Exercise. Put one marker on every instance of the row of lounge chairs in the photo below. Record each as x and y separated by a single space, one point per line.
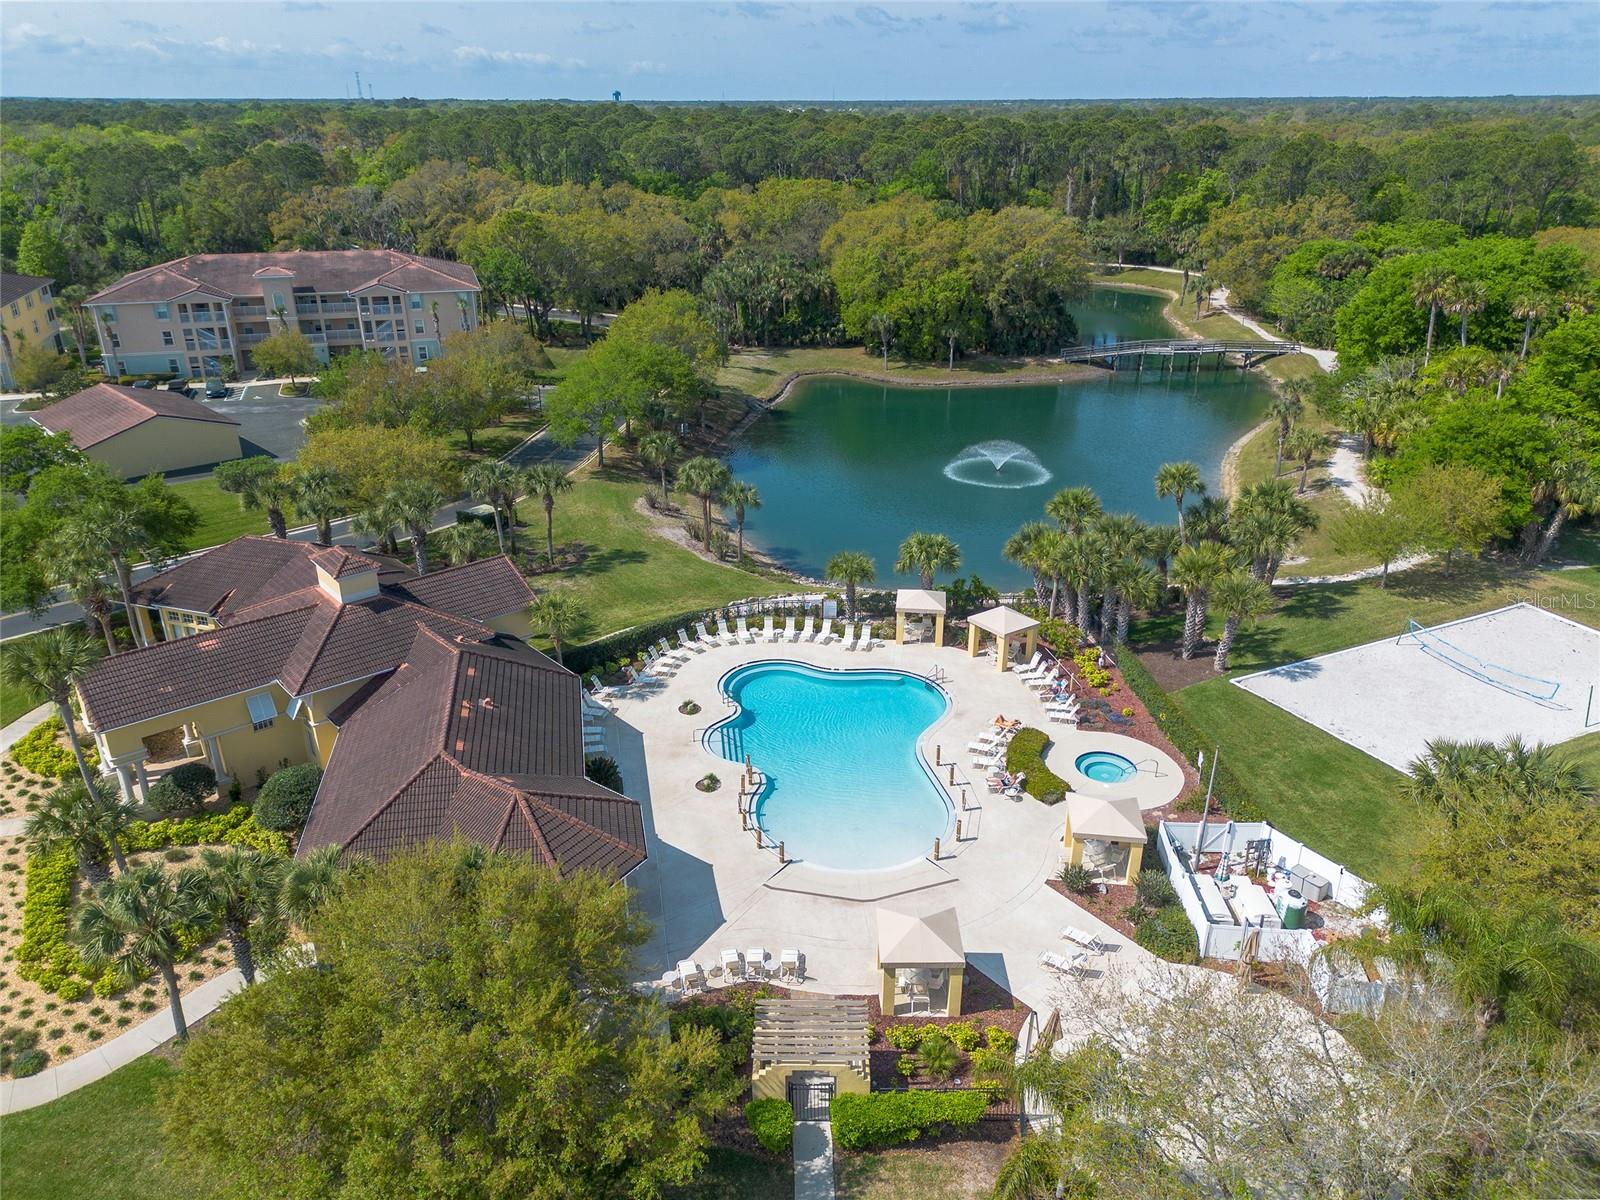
754 965
822 635
1046 676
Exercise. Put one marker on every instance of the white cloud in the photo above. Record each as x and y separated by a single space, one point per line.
29 37
646 67
483 56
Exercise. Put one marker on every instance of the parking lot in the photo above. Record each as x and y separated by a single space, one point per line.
267 421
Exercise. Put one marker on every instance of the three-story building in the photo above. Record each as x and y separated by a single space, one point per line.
27 317
184 317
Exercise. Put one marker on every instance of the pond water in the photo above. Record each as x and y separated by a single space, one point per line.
844 464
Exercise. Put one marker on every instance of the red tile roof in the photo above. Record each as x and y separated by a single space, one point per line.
239 276
101 412
476 739
340 563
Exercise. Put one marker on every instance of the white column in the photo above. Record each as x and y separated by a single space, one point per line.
125 782
144 781
214 756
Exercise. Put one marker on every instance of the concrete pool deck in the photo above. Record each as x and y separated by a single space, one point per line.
706 886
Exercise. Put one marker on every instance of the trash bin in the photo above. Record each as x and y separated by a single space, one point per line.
1293 910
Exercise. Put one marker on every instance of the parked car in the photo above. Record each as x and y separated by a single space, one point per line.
216 390
183 387
143 384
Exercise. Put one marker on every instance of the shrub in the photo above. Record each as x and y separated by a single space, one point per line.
1154 889
583 659
1001 1040
168 799
194 779
39 751
862 1122
1025 753
603 769
285 799
963 1035
772 1121
235 827
1077 878
990 1064
709 782
904 1037
1167 934
939 1055
29 1062
44 954
72 989
906 1065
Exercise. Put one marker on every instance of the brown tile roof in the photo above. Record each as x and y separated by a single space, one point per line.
243 572
335 271
340 562
105 410
481 740
15 287
483 590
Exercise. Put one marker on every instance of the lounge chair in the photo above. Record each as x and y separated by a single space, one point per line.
688 646
1089 941
694 979
602 695
756 964
827 635
790 633
789 968
732 965
770 630
725 634
1015 790
849 635
1066 964
743 632
809 632
676 653
704 635
864 642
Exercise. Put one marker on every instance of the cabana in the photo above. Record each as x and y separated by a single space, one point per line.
1004 623
1105 835
922 962
917 603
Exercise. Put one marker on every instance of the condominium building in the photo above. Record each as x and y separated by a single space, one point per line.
27 317
183 317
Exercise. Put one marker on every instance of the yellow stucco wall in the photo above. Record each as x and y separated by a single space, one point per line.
772 1083
166 444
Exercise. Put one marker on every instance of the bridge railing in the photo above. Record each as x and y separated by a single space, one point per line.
1177 345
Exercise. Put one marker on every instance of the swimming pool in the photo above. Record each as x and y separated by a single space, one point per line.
845 786
1102 766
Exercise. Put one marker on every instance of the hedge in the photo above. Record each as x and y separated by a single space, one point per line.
235 827
617 646
1025 753
862 1122
1231 791
39 752
772 1121
1167 933
284 801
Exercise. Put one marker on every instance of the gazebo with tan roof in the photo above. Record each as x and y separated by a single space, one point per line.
922 961
918 603
1004 624
1105 835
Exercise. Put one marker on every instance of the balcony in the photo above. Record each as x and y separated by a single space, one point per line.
336 306
343 337
249 310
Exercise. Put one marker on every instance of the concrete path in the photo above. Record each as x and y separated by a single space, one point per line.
47 1085
813 1160
1328 360
24 725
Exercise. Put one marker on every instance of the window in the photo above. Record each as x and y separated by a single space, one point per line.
162 312
29 299
45 291
166 337
422 354
36 329
416 301
172 365
262 710
417 326
277 301
50 314
109 312
16 310
194 364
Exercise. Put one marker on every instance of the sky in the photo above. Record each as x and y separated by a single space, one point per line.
755 50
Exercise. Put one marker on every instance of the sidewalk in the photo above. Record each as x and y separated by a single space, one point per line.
47 1085
813 1160
24 725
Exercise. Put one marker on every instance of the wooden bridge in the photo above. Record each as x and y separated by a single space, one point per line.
1177 353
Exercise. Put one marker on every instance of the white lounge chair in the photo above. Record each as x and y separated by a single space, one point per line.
688 646
1072 964
724 634
864 642
790 633
756 964
675 653
770 629
827 635
602 695
732 965
704 635
809 632
1080 937
789 969
849 635
743 631
694 979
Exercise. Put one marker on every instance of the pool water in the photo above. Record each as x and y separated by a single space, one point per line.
1102 766
845 786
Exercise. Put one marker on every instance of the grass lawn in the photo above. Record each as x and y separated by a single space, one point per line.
734 1175
762 373
103 1141
631 574
1585 751
15 701
221 518
948 1171
498 439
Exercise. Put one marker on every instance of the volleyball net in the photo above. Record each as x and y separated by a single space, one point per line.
1507 679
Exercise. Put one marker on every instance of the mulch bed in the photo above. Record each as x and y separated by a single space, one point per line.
1108 906
983 1003
1165 663
531 560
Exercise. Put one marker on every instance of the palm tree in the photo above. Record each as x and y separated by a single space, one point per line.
378 522
240 887
1466 296
497 482
1121 537
319 495
1179 479
555 615
1430 289
116 533
259 484
926 554
882 327
1161 542
1138 586
464 542
1576 492
1530 308
1288 402
741 496
1195 570
1241 598
1266 520
1073 508
415 504
50 664
1080 559
1026 548
137 923
547 480
78 566
659 449
309 881
705 478
851 569
89 820
1306 446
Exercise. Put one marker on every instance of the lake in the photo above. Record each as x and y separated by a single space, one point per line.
845 464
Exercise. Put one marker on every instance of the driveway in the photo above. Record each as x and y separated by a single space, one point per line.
269 422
